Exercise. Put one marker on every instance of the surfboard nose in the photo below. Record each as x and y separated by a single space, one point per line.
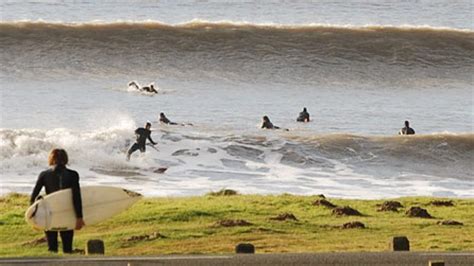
132 194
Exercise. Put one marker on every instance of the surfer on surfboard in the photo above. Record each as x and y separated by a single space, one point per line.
267 124
150 88
164 120
57 178
140 144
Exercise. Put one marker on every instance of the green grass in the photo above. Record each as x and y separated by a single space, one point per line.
188 225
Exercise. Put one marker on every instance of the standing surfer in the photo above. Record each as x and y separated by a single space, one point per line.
54 179
142 134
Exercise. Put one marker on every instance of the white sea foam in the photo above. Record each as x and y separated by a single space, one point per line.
199 163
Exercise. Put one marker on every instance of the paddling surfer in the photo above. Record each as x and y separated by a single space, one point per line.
142 135
57 178
267 124
150 88
165 120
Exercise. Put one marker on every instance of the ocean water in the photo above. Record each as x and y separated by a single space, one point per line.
360 67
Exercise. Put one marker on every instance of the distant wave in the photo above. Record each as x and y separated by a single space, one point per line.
199 23
241 51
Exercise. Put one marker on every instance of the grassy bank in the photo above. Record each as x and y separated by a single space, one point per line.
191 226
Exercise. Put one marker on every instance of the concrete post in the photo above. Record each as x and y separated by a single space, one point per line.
400 243
95 247
244 248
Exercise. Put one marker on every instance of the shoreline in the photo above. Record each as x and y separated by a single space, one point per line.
210 193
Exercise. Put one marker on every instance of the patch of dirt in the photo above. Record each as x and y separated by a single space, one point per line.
346 210
267 230
79 251
323 202
418 212
449 222
35 242
446 203
389 206
284 217
223 192
355 224
230 223
152 236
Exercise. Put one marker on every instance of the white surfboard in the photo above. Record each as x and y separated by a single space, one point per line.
55 212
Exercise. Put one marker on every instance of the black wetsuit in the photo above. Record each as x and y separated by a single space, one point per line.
149 89
303 117
269 125
142 134
407 131
165 120
53 180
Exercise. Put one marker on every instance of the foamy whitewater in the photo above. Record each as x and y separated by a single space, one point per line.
361 70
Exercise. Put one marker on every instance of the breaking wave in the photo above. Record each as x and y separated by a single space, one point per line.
336 164
454 153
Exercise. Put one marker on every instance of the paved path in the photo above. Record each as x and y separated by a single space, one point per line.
355 258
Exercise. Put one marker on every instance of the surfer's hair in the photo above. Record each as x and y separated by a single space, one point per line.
57 157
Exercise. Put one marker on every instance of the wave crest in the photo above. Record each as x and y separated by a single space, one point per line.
236 50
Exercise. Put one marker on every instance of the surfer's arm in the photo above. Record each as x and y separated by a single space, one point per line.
152 142
39 185
76 196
